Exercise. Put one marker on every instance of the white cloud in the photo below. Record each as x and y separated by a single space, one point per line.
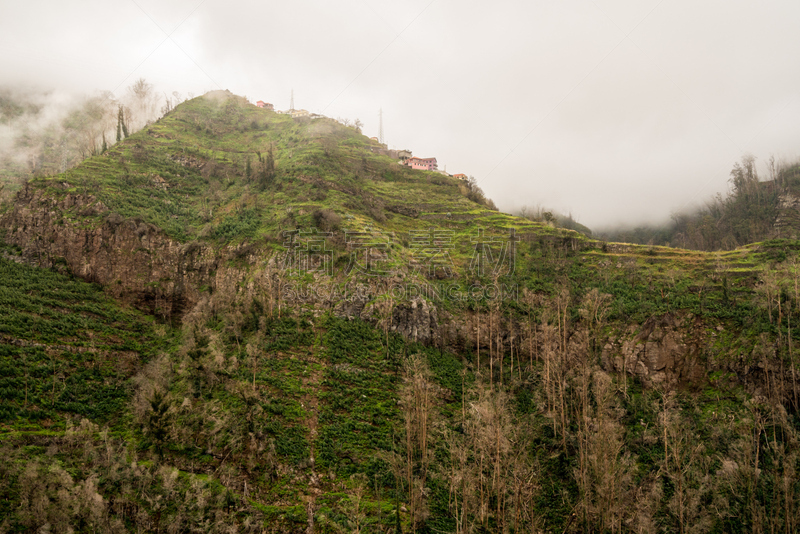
615 110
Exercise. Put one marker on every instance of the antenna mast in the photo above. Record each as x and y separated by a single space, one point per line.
380 126
291 102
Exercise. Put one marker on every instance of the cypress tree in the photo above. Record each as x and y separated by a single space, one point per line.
266 169
119 125
157 424
270 165
122 122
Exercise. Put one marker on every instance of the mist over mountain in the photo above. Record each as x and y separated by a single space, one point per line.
47 131
617 112
754 209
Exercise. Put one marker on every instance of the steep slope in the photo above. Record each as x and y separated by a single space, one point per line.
156 216
67 348
561 384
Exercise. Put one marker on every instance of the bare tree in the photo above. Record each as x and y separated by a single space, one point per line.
491 475
684 466
143 103
417 398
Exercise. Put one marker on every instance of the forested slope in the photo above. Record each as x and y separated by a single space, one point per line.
753 210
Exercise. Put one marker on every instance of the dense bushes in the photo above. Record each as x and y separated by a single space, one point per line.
326 220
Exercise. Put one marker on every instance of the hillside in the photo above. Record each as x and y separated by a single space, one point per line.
199 184
753 210
308 337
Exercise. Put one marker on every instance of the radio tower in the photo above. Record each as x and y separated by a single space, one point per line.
380 126
291 102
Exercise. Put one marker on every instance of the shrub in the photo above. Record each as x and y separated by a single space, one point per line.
326 220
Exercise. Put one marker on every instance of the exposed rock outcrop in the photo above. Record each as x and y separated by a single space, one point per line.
678 351
416 320
665 350
134 260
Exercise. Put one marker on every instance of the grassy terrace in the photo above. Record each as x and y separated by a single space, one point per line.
195 174
199 174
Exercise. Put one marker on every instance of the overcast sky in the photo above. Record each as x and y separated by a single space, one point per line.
616 111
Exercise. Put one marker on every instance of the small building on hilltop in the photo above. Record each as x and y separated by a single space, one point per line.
425 164
460 176
265 105
298 113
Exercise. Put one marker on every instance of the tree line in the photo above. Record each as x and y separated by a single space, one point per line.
47 133
746 214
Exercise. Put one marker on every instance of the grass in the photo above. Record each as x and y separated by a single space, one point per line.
187 174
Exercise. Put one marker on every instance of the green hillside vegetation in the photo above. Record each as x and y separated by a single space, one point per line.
255 413
252 419
67 350
221 169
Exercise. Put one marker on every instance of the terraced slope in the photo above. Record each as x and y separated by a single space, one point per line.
67 350
432 365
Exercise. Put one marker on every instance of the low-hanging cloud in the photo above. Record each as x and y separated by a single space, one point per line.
614 111
46 131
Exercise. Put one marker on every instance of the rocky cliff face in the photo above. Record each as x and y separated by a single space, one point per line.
680 351
135 261
139 264
666 350
415 320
